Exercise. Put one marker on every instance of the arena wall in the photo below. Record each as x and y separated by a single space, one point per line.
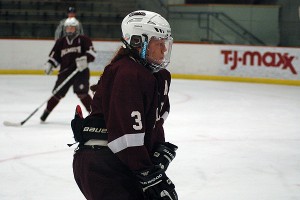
261 64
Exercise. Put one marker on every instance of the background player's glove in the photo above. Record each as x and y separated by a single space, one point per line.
48 68
163 154
81 63
94 87
156 185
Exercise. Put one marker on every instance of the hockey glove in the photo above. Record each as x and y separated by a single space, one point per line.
91 127
81 63
76 124
156 185
93 87
163 154
48 67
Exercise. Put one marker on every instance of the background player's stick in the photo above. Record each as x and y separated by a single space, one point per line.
7 123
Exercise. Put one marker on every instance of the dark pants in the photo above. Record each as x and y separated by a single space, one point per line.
100 175
80 83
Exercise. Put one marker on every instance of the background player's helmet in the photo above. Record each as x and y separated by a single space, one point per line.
140 27
74 23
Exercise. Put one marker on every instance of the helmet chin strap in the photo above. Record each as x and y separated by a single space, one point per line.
138 57
144 47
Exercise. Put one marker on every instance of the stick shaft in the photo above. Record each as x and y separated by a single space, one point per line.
53 93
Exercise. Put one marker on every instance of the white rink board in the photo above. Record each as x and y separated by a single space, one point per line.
196 59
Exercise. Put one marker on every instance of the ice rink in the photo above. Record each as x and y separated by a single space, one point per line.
237 141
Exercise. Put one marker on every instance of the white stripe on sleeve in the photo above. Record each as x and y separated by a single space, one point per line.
54 61
91 52
128 140
165 115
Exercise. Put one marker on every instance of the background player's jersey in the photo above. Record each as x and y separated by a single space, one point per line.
132 100
65 52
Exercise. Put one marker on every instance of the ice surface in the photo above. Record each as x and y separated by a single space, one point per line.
237 141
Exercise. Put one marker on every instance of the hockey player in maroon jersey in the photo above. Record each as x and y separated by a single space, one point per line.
70 52
122 152
60 32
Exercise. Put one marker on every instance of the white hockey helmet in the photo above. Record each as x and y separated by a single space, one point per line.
72 21
140 27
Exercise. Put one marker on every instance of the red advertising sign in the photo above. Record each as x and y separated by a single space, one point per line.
280 60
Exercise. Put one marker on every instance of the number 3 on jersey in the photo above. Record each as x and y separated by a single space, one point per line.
138 120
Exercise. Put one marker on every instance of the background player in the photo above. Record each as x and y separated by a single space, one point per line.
60 31
71 52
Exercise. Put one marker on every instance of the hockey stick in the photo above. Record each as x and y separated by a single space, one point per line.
7 123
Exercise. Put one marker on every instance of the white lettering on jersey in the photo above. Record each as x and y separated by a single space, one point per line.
138 120
70 50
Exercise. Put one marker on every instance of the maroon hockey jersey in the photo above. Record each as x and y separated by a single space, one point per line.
65 52
135 104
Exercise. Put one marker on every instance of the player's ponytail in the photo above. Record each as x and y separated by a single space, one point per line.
120 53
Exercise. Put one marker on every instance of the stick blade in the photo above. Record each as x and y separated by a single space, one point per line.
7 123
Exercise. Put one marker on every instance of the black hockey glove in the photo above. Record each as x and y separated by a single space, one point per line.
163 154
156 185
91 127
76 125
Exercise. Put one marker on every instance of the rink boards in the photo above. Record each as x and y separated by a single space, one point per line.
262 64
